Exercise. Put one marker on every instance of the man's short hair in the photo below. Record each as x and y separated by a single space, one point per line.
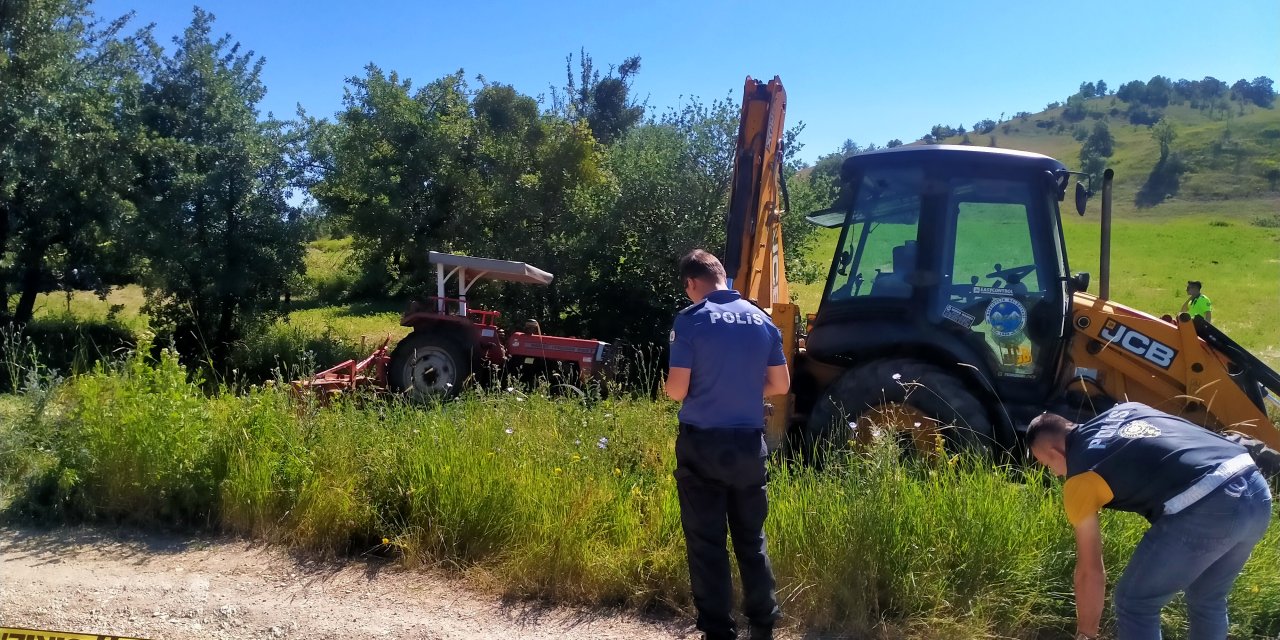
1194 283
1047 424
701 265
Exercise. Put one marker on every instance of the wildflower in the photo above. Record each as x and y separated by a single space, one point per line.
490 453
577 442
510 431
897 377
576 457
386 541
558 470
602 443
617 471
635 491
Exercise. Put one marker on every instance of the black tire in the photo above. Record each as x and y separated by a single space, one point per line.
429 365
962 419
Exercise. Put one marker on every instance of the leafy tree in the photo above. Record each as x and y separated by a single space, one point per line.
893 143
67 85
1075 109
1140 114
1164 135
1158 91
398 171
1087 90
604 102
1096 149
1100 88
1132 91
984 126
214 227
1262 92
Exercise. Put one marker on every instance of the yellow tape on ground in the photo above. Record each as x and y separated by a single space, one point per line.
7 633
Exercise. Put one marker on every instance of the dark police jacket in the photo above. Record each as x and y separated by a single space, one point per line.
1135 458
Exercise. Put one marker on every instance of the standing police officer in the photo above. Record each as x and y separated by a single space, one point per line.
1206 500
726 357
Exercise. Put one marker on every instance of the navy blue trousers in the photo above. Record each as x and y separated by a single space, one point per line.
721 476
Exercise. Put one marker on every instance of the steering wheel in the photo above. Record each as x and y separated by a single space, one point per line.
1012 275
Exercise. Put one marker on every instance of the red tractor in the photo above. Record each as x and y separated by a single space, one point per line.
451 341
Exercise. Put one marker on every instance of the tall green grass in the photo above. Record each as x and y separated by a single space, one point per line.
561 500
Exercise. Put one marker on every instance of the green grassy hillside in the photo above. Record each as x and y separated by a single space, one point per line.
1226 157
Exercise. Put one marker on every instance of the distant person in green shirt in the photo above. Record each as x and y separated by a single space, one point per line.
1197 303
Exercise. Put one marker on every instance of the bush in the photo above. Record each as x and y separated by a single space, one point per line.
283 351
1267 222
64 344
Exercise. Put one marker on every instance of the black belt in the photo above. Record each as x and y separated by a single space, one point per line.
688 428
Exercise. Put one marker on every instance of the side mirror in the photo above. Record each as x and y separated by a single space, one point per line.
1080 282
1082 196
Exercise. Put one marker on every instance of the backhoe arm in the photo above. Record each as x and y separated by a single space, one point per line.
753 256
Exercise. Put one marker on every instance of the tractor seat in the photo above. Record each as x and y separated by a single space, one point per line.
894 284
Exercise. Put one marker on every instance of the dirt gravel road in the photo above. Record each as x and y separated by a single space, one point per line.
163 587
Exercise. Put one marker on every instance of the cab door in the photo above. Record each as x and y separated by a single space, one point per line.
1000 290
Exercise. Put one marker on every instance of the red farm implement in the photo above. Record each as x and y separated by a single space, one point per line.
453 342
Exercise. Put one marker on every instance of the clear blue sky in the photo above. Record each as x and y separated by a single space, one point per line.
865 70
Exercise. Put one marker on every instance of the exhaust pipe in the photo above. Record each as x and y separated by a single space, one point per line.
1104 269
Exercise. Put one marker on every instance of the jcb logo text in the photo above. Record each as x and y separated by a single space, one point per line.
1149 349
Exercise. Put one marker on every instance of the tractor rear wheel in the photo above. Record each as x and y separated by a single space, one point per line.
429 365
918 404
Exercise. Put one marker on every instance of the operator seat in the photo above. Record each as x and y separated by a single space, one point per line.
894 284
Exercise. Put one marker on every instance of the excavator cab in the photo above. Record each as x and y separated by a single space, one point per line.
946 255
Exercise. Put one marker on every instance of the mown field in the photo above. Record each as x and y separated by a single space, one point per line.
561 500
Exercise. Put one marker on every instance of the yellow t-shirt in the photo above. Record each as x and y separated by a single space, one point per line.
1084 495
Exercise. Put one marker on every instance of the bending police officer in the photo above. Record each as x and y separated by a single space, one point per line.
1207 502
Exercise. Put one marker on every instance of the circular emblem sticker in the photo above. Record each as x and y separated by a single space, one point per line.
672 337
1139 429
1006 316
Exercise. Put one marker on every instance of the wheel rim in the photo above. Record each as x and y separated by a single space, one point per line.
902 422
431 371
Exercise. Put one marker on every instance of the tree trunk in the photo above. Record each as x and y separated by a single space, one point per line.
7 212
29 287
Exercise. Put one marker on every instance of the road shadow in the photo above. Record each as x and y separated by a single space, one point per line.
535 613
57 543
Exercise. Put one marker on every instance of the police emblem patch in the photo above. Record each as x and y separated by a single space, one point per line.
1139 429
672 337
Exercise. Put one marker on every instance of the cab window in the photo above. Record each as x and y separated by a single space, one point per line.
878 245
